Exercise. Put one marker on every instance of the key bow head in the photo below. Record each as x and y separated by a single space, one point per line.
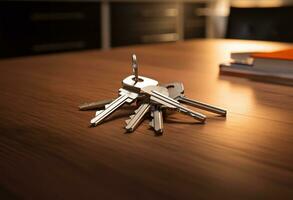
176 89
132 85
159 89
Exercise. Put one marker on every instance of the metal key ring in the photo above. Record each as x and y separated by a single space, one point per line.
135 68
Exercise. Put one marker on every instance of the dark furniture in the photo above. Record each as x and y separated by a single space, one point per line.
139 23
272 24
36 27
48 151
195 20
40 27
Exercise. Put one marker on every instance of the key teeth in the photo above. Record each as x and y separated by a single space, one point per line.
136 111
99 112
152 114
127 121
152 123
131 116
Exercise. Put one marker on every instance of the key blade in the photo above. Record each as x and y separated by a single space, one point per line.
95 105
129 93
109 110
162 99
152 123
203 106
158 121
178 106
137 117
157 100
161 90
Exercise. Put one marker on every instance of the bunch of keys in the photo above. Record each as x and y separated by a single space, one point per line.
151 100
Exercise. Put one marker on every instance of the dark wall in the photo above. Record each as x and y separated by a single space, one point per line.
272 24
42 27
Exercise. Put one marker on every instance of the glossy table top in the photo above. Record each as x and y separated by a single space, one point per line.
48 151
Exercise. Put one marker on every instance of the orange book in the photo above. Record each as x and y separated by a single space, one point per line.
276 67
286 54
278 62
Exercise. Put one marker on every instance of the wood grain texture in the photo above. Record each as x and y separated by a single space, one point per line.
47 150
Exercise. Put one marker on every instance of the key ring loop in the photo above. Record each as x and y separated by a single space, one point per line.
135 68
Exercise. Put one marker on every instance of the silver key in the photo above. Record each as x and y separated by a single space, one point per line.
138 117
157 119
171 103
97 105
125 97
156 112
139 114
176 91
140 98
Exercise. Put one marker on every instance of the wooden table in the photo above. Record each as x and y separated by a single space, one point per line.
48 151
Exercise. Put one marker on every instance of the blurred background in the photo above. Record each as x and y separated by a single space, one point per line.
46 26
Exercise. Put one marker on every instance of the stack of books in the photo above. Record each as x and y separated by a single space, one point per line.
275 67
